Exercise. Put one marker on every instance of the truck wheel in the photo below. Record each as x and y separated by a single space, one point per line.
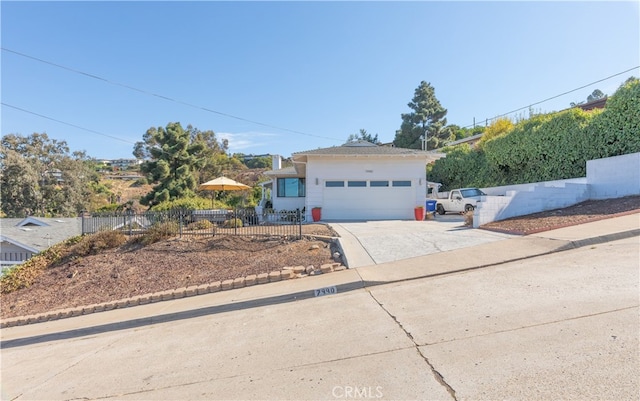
468 208
440 209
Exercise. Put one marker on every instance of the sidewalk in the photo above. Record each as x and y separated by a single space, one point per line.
447 262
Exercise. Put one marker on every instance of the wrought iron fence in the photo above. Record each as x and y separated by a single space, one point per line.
199 222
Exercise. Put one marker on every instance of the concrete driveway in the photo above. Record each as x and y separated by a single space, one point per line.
367 243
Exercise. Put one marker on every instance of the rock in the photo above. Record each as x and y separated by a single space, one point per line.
326 268
274 276
263 278
314 246
310 269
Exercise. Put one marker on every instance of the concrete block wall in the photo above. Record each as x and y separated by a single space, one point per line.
607 178
614 177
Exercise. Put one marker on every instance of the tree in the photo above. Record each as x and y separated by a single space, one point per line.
498 127
174 157
595 95
426 121
363 136
18 185
40 177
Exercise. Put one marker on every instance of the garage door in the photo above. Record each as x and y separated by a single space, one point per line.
368 200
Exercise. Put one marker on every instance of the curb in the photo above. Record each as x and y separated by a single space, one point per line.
287 273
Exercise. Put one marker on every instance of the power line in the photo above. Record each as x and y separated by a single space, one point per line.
105 80
562 94
66 123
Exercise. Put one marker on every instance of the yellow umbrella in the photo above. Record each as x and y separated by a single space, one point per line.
222 184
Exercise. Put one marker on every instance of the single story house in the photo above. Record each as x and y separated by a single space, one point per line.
356 181
21 238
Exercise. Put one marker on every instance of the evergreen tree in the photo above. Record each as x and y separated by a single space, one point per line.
175 156
427 120
363 135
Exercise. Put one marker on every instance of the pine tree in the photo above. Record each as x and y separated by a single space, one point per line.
427 120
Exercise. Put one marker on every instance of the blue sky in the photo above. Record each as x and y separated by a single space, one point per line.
310 73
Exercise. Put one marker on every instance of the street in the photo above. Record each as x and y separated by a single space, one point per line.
559 326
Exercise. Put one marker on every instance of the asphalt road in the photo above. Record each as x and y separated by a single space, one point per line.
559 326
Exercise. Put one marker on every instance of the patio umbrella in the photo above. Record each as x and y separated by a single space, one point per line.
222 184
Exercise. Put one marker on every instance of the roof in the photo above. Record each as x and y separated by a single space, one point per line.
465 140
39 233
594 104
287 171
361 148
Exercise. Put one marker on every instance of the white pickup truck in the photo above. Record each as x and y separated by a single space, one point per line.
458 200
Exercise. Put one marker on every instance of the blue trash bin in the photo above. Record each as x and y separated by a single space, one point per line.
431 206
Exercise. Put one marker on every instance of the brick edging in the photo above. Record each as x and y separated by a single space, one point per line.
286 273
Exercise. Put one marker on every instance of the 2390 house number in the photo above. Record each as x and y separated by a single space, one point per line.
325 291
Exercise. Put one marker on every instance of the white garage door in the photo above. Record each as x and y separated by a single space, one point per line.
368 200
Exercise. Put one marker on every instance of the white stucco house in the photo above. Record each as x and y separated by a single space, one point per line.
355 181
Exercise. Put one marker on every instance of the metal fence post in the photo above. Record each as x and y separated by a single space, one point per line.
299 217
235 221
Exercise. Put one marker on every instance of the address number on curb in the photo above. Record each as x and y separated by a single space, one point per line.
325 291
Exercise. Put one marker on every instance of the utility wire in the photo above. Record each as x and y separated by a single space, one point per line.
252 121
162 96
562 94
66 123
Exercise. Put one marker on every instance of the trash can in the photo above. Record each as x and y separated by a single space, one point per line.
431 206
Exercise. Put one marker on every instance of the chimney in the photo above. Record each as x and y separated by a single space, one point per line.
276 162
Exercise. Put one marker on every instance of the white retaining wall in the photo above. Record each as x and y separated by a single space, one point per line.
612 177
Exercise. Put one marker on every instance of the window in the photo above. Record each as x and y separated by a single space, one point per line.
468 193
401 183
379 183
334 184
356 183
291 187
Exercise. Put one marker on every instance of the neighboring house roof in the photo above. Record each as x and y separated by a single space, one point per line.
473 139
594 104
39 233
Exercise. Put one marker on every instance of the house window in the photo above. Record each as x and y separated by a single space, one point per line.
356 183
379 183
401 183
334 184
291 187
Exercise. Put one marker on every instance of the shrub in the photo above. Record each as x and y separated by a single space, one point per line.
159 231
200 225
233 223
97 242
192 203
